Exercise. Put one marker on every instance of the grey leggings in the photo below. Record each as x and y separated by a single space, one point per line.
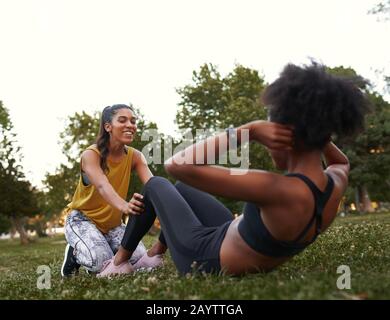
193 224
92 247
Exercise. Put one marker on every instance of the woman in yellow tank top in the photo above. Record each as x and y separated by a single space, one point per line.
94 228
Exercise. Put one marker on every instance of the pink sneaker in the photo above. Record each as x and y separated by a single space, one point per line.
109 269
149 263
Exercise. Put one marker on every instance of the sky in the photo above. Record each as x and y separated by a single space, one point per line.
58 57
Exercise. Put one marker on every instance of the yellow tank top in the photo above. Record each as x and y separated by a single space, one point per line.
88 200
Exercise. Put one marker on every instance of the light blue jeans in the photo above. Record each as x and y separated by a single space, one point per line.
91 246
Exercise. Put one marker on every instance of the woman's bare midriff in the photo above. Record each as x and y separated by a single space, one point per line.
237 257
234 249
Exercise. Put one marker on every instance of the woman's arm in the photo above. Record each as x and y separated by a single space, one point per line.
140 165
270 134
247 185
337 162
90 162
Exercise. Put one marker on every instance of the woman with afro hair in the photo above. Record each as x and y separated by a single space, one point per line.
284 213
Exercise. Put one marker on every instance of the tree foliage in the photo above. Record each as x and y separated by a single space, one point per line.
382 9
212 101
369 153
216 102
17 196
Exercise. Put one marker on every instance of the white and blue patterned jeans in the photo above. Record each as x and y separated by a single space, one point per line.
91 246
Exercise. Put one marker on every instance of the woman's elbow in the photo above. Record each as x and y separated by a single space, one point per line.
170 167
348 166
100 188
174 169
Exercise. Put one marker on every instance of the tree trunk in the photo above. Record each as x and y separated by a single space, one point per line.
357 200
365 200
41 230
40 227
19 226
12 231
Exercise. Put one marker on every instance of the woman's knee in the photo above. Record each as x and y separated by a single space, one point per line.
92 257
182 187
156 182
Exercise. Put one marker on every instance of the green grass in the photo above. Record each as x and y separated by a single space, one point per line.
361 242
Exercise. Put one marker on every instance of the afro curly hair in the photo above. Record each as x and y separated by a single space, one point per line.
317 104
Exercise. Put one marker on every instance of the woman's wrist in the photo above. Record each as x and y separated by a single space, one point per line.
120 205
248 127
333 155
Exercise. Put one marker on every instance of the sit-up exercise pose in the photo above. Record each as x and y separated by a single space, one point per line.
284 213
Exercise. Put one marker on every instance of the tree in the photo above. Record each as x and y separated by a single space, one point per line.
215 102
369 153
5 224
80 132
382 11
17 197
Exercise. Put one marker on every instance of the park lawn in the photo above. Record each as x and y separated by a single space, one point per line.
360 242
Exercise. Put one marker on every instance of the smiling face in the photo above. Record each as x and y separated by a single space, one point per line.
123 126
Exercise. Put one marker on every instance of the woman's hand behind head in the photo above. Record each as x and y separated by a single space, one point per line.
273 135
